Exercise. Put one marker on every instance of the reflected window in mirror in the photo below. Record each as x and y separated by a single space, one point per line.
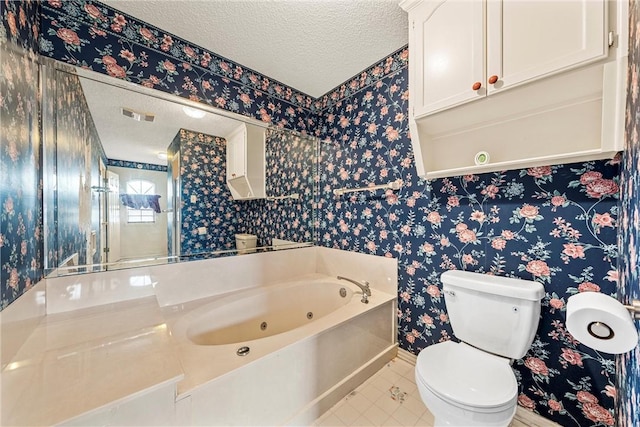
140 187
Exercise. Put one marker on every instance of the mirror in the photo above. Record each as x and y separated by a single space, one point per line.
133 176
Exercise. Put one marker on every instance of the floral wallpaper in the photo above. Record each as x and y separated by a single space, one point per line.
555 224
628 365
290 167
369 77
203 175
136 165
21 237
78 153
92 35
20 24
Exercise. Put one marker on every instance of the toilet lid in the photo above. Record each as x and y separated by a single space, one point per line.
467 376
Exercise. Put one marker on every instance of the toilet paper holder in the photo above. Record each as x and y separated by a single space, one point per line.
603 323
634 308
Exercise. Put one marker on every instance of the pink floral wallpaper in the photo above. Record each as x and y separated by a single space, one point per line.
91 35
557 225
628 365
21 233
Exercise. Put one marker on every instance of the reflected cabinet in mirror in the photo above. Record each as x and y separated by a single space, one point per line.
135 177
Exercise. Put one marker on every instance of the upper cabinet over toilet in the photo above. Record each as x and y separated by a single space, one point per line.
473 48
245 162
518 79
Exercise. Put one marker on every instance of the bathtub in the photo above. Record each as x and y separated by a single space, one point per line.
279 355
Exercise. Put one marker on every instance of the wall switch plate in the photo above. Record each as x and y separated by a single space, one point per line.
193 198
202 230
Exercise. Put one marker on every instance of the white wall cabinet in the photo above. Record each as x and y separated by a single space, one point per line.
513 78
245 162
236 153
467 50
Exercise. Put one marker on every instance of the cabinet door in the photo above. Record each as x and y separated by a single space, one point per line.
236 154
447 45
530 39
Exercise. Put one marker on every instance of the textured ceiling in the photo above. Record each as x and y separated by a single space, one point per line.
310 45
126 139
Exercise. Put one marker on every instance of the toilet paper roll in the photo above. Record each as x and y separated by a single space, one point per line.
601 322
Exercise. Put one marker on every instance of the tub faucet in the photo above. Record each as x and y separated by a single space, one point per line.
364 285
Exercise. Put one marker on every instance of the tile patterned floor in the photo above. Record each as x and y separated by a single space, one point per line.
391 398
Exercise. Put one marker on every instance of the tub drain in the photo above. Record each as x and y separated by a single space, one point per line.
310 315
263 326
243 351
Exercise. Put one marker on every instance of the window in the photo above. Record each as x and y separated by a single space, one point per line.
140 186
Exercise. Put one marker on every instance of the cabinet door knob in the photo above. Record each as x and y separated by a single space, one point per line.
476 86
493 79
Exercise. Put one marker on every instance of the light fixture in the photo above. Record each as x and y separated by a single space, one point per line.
193 112
162 155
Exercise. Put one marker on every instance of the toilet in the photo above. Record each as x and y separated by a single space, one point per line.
246 243
471 383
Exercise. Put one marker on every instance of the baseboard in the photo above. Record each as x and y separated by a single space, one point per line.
407 356
532 419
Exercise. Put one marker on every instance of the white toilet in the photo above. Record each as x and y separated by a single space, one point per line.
246 243
471 383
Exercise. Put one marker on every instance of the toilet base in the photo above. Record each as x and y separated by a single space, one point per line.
442 423
446 415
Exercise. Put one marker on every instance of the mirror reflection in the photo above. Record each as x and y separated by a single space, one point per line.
134 177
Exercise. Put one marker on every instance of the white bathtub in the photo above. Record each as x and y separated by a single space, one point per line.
266 313
295 367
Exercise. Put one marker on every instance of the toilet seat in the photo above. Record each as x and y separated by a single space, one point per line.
467 377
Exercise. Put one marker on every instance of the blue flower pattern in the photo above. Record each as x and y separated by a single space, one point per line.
136 165
628 365
94 36
290 160
21 221
556 224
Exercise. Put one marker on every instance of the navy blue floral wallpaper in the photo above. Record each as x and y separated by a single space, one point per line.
21 234
78 153
136 165
290 166
203 175
553 224
20 24
289 169
556 225
92 35
628 365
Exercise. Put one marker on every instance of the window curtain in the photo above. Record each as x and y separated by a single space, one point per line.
141 201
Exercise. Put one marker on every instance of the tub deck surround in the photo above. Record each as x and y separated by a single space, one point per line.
196 358
81 291
75 363
19 321
183 282
196 280
109 343
380 272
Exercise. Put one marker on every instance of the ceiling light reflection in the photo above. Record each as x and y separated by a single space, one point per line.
193 112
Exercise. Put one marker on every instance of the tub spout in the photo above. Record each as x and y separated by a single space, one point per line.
364 285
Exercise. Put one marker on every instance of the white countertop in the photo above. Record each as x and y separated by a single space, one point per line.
80 361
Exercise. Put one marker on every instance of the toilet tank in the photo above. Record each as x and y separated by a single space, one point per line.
499 315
